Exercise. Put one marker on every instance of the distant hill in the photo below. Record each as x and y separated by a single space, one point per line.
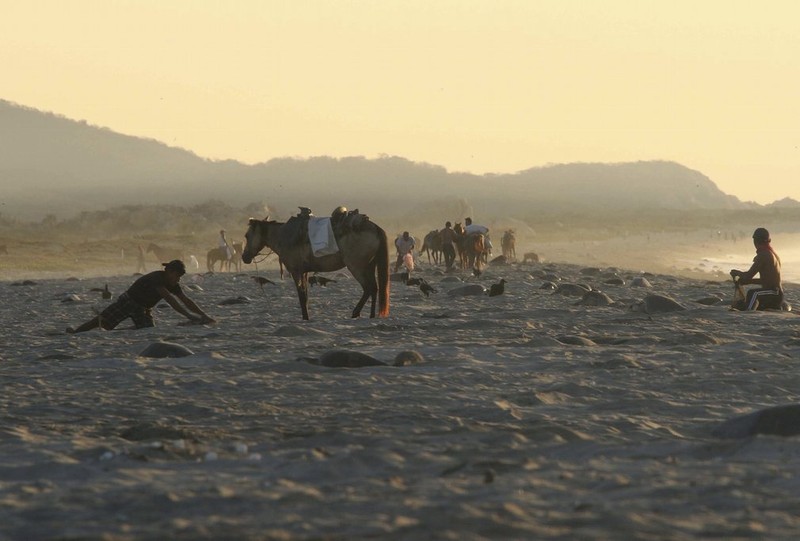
785 203
53 165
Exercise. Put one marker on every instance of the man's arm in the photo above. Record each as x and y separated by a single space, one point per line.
748 277
170 298
191 305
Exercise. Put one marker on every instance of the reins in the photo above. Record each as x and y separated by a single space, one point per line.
257 260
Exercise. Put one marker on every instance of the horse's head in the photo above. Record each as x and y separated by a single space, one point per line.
253 243
458 228
259 234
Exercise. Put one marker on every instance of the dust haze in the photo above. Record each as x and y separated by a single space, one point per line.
80 199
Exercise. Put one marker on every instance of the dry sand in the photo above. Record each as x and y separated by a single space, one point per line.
529 417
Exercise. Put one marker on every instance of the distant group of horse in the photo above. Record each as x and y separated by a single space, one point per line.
227 260
472 250
363 250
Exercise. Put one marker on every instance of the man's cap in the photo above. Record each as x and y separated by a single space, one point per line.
175 265
447 224
761 235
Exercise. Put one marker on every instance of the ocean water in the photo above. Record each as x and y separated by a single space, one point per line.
790 263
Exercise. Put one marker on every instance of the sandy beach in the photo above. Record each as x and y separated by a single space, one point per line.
525 416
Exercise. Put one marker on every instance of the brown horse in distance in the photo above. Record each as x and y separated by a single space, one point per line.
220 255
432 245
164 255
364 251
471 248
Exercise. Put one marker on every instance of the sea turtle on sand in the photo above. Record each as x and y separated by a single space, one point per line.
595 298
656 304
777 421
408 357
548 285
342 358
348 359
159 350
640 281
572 290
469 290
711 300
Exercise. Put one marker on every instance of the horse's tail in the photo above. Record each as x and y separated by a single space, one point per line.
208 259
383 274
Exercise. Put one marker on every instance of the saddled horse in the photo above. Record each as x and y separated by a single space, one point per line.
363 250
432 244
471 248
509 245
220 255
164 255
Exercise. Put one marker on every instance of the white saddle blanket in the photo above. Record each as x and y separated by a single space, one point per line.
320 234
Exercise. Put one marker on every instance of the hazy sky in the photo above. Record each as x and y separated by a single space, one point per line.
472 85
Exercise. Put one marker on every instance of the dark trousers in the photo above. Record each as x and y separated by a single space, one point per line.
762 299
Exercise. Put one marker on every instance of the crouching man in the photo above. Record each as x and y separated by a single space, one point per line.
138 301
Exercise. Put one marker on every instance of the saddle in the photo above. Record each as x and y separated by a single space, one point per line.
346 221
343 221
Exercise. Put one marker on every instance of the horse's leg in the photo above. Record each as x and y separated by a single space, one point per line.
365 277
301 283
